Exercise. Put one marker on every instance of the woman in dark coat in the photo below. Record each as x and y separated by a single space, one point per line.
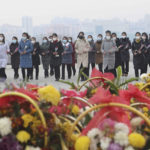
145 43
99 54
44 51
117 54
66 57
15 56
25 50
73 56
91 53
35 57
124 47
138 55
56 50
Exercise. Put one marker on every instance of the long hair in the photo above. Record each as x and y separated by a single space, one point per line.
1 34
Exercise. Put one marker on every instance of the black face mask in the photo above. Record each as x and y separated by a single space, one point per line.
81 37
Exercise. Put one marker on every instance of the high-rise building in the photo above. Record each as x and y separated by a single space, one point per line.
27 24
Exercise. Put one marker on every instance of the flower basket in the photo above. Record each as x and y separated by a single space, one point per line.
96 107
34 104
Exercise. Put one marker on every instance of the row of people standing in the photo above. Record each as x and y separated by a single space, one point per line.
26 55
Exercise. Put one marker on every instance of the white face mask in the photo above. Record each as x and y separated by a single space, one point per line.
99 38
123 36
137 37
32 42
54 39
89 39
1 38
143 37
108 37
114 38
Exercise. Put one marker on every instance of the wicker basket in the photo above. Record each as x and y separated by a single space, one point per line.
108 105
30 100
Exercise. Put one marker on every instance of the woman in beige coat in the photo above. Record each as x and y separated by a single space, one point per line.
82 47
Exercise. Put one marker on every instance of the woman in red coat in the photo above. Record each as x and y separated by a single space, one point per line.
73 56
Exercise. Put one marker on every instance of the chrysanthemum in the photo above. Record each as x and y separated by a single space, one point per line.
129 148
82 143
23 136
49 94
105 142
136 121
5 126
32 148
121 138
121 127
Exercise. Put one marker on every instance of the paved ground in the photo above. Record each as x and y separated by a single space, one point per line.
48 81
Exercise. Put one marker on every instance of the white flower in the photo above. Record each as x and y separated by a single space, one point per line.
129 148
105 142
121 127
5 126
32 148
144 76
136 121
121 138
95 134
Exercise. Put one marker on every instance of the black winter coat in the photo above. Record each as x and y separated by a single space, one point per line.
35 54
117 54
138 58
15 55
145 50
56 47
124 50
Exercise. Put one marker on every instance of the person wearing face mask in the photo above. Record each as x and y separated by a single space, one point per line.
91 54
4 50
73 56
98 54
117 54
45 53
15 56
138 57
25 50
51 64
145 52
82 47
56 50
66 57
125 46
109 48
35 57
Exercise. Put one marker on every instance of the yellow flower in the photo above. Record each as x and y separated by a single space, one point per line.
137 140
49 94
27 118
74 137
145 109
23 136
132 101
82 143
75 110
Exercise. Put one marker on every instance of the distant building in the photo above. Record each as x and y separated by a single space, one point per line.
27 24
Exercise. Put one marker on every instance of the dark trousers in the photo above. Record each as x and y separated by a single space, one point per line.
85 71
29 72
36 71
74 70
51 69
57 72
16 74
2 73
92 65
46 73
125 67
100 66
137 72
68 70
113 71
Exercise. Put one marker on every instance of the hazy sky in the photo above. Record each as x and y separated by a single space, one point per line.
43 11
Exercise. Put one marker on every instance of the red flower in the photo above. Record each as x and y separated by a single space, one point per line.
134 92
73 93
97 73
